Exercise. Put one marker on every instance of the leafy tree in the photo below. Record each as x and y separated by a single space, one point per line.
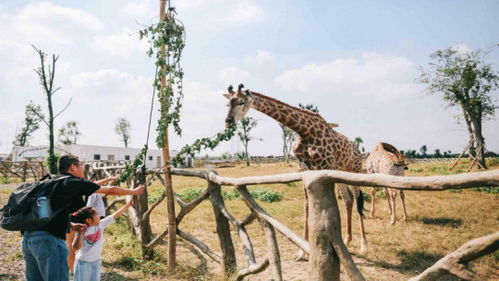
423 150
69 133
310 107
437 153
31 124
46 74
358 141
466 81
122 128
243 131
288 137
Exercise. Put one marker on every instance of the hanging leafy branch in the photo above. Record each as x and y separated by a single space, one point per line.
171 34
203 143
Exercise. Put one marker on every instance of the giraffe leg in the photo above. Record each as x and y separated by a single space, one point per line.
388 199
373 196
348 200
402 198
363 240
301 255
393 197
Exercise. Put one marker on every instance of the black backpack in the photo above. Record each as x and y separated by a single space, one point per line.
21 211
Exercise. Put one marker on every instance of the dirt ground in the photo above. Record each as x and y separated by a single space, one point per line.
438 223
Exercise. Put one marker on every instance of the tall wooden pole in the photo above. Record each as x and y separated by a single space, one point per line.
172 227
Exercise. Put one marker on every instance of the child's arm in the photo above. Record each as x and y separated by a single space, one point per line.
122 209
78 240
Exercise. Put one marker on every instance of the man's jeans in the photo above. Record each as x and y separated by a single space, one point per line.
87 270
45 256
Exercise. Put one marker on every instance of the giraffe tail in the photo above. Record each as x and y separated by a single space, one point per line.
360 203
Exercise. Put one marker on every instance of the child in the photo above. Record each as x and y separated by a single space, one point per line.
90 241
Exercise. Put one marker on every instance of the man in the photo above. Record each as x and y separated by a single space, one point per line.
45 251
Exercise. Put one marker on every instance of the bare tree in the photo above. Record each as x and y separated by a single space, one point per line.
31 124
69 133
46 74
122 128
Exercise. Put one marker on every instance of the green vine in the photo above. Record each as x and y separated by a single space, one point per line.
169 33
130 168
203 143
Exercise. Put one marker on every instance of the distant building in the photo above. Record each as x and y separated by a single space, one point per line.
4 157
89 153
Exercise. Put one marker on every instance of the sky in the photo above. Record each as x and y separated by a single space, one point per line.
358 61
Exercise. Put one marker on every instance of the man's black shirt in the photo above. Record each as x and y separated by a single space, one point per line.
68 194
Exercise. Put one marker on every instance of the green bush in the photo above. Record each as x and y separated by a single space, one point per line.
266 194
153 196
4 180
187 195
263 194
291 184
416 170
487 189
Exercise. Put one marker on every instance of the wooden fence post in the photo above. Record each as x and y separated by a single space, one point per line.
223 230
326 243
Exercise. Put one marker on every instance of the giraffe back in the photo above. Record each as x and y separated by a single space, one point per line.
386 159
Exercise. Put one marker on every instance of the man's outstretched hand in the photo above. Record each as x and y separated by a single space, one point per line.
139 190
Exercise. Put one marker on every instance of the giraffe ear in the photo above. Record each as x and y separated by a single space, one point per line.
230 89
247 93
227 96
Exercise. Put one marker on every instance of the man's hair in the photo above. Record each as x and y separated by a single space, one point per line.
82 214
66 161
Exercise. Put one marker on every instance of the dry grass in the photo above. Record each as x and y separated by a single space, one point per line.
439 222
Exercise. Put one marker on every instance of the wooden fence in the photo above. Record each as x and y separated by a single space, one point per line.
23 170
325 246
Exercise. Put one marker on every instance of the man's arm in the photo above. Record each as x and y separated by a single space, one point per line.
115 190
105 181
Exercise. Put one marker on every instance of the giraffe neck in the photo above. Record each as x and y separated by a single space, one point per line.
299 120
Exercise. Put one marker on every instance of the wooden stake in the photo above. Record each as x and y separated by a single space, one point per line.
172 227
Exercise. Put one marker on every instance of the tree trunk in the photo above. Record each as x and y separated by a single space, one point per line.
141 224
52 161
469 127
247 155
480 144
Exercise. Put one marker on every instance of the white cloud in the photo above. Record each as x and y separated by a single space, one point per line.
461 49
124 43
261 56
233 75
46 23
245 11
383 77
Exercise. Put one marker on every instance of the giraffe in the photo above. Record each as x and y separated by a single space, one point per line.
318 147
386 159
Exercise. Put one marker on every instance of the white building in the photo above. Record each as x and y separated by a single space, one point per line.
89 153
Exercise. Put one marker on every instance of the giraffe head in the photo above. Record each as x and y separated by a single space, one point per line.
239 104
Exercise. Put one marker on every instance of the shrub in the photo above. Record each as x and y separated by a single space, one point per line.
4 180
266 194
416 170
487 189
263 194
187 195
291 184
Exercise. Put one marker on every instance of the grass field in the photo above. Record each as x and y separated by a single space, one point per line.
438 223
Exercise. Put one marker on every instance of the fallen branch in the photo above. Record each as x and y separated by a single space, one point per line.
252 269
203 247
456 262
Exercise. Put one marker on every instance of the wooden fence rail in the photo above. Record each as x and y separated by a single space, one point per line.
23 169
325 246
